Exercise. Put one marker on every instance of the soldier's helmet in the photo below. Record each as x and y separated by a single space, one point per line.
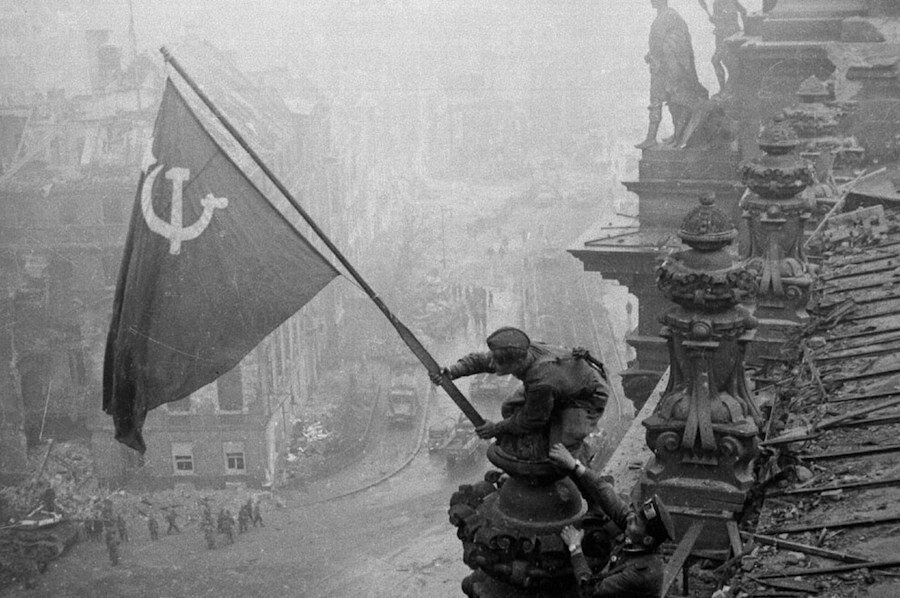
659 522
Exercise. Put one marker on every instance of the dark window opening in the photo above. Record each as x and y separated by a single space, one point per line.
235 461
230 389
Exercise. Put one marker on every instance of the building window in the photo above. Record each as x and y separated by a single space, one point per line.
183 458
230 389
234 457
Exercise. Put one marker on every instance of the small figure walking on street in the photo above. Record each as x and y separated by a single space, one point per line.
153 526
243 518
209 534
171 517
112 545
228 526
257 516
122 528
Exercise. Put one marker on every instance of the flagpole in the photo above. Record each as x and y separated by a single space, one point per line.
408 337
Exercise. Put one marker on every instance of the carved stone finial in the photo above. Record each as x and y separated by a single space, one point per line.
704 433
779 173
707 227
778 138
776 212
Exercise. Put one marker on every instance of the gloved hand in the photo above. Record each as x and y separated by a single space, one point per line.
436 377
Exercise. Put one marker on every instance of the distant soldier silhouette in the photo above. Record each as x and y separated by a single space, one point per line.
171 518
153 526
112 545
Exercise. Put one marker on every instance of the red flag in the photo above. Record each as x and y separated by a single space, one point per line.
210 268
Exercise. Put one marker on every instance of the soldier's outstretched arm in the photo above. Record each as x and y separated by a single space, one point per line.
473 363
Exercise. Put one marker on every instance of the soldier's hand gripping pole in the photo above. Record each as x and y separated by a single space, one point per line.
434 370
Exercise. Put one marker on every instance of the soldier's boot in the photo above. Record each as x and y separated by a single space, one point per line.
652 128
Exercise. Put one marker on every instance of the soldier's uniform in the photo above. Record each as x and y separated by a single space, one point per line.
634 571
257 516
564 394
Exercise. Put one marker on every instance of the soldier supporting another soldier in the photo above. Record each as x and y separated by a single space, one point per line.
635 568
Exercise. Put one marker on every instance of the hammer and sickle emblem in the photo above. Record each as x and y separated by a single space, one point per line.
174 231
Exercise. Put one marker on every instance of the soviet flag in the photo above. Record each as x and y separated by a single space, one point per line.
210 268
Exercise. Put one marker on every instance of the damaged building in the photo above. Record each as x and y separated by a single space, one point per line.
70 165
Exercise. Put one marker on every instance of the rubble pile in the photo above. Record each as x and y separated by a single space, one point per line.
828 521
330 432
67 468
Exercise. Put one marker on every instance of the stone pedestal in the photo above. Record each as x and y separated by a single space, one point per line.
510 530
776 211
670 181
704 432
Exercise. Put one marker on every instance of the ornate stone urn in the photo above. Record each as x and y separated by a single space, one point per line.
776 212
704 433
509 524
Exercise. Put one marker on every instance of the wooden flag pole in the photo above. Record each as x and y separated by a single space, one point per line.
408 337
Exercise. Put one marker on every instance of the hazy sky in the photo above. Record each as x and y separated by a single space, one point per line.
273 33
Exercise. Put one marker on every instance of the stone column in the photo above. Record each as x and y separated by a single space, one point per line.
704 433
776 211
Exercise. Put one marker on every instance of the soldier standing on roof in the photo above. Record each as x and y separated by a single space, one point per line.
564 392
635 568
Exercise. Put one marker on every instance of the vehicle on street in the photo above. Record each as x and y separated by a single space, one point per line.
439 434
403 405
464 447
